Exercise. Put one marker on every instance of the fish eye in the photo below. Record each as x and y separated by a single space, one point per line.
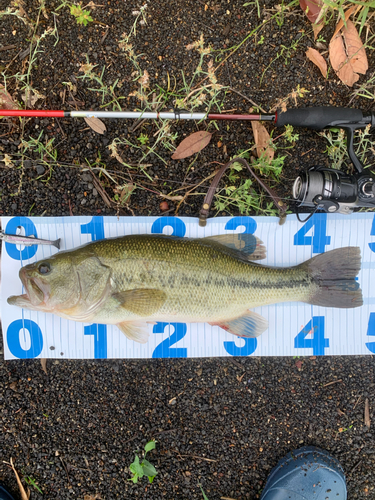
44 268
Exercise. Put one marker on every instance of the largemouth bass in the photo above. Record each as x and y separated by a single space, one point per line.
139 279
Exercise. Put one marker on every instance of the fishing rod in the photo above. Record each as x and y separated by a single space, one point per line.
320 188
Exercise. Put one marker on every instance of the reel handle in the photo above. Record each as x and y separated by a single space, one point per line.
319 117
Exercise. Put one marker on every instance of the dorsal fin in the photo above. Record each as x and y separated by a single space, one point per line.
247 244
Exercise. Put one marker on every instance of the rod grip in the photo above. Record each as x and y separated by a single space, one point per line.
319 117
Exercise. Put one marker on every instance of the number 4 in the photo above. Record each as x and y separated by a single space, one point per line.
317 342
319 240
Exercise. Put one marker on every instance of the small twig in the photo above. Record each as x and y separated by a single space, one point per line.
131 439
334 382
367 414
247 99
356 465
58 123
10 62
357 402
195 187
24 495
104 36
238 364
26 52
66 470
8 47
198 458
229 78
101 191
70 209
155 107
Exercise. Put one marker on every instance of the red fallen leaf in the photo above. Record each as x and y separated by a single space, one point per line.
192 144
347 55
6 102
311 8
318 60
262 141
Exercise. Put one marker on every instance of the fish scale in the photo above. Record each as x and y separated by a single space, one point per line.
207 284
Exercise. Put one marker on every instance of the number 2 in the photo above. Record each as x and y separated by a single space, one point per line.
165 349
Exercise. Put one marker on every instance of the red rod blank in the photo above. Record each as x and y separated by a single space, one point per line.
214 116
31 112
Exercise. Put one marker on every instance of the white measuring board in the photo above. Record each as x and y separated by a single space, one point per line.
295 329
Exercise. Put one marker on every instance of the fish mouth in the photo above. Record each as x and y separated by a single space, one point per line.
36 290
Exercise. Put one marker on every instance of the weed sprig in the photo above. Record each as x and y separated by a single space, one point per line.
144 468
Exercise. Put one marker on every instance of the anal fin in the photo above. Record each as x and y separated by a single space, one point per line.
250 325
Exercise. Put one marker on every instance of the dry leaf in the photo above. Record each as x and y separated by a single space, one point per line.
31 97
6 102
367 414
43 362
318 60
8 161
317 28
178 197
347 55
262 141
96 124
347 14
24 495
192 144
92 497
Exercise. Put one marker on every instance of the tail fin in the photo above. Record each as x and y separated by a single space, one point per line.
56 243
334 272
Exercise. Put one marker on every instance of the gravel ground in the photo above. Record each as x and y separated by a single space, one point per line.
223 423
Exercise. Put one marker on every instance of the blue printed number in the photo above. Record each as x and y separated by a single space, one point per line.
371 332
95 227
250 344
25 327
100 339
30 230
165 349
248 222
179 228
372 245
246 350
319 240
317 342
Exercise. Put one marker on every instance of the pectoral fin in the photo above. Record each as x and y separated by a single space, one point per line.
250 325
135 331
249 245
141 301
